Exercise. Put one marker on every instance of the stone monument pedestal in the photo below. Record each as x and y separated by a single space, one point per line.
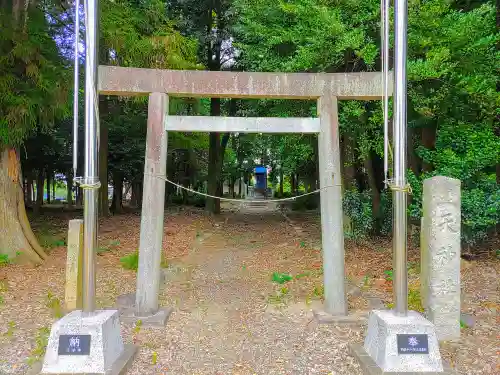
130 315
399 345
87 343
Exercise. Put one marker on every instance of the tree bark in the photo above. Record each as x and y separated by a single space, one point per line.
413 160
281 182
429 142
39 193
103 166
49 180
348 161
117 202
79 196
29 189
372 183
136 198
16 235
214 165
69 188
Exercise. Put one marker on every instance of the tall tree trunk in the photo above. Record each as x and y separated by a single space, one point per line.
232 183
39 193
413 159
103 164
29 189
54 187
214 165
136 196
79 196
429 142
69 188
372 183
49 179
16 235
282 180
117 202
348 161
128 187
133 199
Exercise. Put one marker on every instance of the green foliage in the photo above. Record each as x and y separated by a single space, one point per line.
130 262
302 275
319 291
4 260
11 328
480 213
388 275
358 207
281 278
279 298
41 341
303 35
109 247
308 202
33 73
414 300
54 304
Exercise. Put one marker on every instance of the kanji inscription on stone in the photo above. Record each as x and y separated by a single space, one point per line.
413 344
74 345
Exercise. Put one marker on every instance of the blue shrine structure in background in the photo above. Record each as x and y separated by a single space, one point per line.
260 178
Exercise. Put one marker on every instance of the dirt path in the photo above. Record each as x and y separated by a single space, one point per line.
223 323
229 317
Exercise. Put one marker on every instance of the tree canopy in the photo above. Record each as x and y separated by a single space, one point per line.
453 101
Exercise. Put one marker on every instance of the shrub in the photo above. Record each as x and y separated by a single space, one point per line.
358 206
130 262
309 202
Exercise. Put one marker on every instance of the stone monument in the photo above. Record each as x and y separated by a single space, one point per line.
87 343
74 259
440 255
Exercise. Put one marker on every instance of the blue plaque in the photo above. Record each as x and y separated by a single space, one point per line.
74 345
413 344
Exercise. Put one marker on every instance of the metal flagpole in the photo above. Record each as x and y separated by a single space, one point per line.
399 187
75 88
384 32
91 178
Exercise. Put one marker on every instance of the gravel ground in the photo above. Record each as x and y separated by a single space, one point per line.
229 318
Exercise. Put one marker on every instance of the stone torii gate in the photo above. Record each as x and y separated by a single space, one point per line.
327 89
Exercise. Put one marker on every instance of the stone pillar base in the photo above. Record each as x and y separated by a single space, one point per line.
396 344
83 344
156 320
355 318
369 367
128 310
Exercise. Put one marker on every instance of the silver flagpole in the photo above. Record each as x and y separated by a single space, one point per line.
91 178
399 186
384 46
76 88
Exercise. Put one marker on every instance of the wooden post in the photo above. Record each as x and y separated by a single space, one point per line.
151 238
74 275
331 207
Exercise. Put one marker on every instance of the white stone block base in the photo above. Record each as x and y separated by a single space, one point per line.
106 345
381 342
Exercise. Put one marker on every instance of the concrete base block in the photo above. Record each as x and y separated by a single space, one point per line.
158 320
125 301
356 318
402 344
369 367
81 343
